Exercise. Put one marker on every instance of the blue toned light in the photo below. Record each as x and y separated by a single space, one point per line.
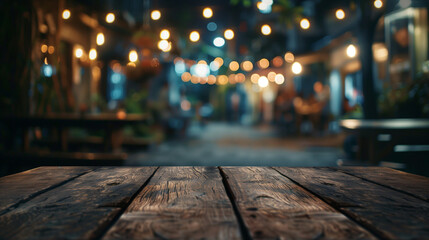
116 78
180 67
219 42
214 66
211 26
200 70
47 70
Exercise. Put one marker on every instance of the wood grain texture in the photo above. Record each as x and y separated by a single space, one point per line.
179 203
273 207
413 184
389 213
20 187
79 209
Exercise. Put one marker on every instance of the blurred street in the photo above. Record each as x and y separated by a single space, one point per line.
234 145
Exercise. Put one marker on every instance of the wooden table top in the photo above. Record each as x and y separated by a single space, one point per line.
214 203
385 124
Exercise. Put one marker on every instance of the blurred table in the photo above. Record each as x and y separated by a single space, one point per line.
112 124
372 133
214 203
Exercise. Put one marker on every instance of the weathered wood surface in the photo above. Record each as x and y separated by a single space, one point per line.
20 187
415 185
179 203
388 213
80 209
273 207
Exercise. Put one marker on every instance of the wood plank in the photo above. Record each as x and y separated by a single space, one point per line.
389 213
273 207
179 203
80 209
20 187
415 185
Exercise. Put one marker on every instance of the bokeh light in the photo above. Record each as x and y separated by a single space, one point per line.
186 77
228 34
289 57
207 12
194 36
78 53
100 39
271 76
351 51
254 78
155 15
279 79
304 23
378 3
266 29
340 14
66 14
234 66
296 68
164 34
247 66
219 42
110 18
263 63
92 54
133 56
263 82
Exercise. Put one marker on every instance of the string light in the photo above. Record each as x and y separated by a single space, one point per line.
264 63
92 54
233 66
304 23
378 3
296 68
266 29
133 56
155 15
289 57
340 14
110 17
228 34
351 51
164 34
219 42
44 48
100 39
194 36
78 53
207 12
263 82
66 14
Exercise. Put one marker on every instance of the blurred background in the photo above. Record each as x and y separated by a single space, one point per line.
216 82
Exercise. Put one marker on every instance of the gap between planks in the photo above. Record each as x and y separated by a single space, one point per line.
33 195
115 219
245 233
378 183
368 227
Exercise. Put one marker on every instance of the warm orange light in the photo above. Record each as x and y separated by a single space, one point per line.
254 78
219 61
207 12
155 15
194 36
66 14
44 48
133 56
278 61
266 29
211 79
289 57
271 76
110 17
51 49
222 79
164 34
100 39
305 24
378 3
78 53
247 66
228 34
234 66
92 54
186 77
264 63
340 14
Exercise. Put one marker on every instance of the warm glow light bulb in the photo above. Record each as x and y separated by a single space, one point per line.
351 51
234 66
219 42
92 54
44 48
207 12
263 82
78 53
296 68
264 63
378 3
66 14
305 24
289 57
228 34
100 39
266 29
194 36
133 56
110 17
164 34
163 45
340 14
155 15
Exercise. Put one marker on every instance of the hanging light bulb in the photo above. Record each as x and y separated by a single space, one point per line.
100 39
